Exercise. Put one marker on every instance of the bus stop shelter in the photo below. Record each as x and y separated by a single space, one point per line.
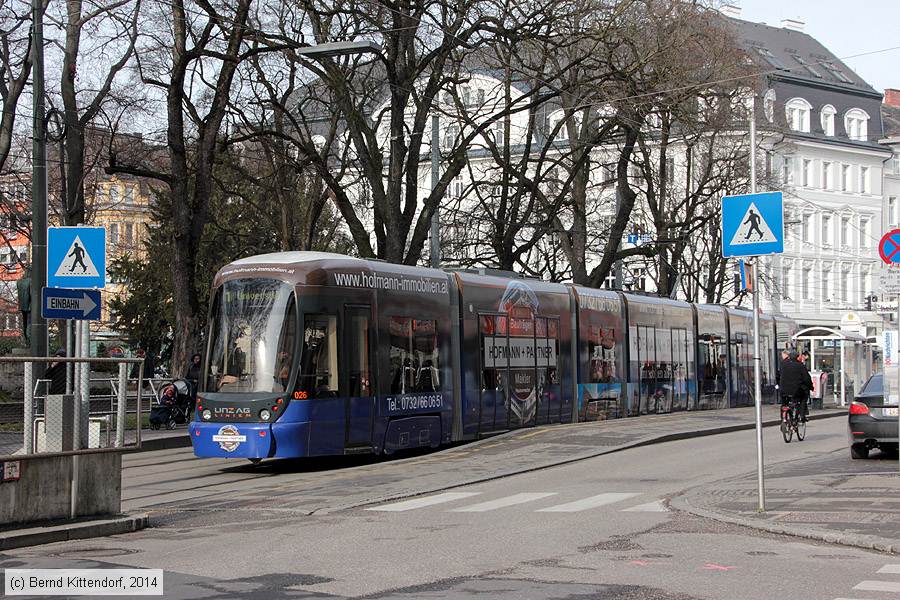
853 350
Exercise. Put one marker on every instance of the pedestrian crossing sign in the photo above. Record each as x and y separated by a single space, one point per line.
752 224
76 257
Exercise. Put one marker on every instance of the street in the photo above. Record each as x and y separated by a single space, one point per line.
598 528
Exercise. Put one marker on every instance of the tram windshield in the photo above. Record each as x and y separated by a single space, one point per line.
253 332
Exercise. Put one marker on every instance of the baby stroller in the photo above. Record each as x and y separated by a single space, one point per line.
173 406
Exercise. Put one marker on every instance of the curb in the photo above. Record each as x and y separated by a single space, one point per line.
865 542
165 443
647 441
34 536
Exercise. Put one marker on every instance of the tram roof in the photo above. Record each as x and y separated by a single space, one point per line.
299 267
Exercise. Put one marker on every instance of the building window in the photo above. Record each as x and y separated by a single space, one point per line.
807 279
797 112
113 194
892 210
450 135
845 285
466 95
845 231
864 232
787 170
826 282
455 188
786 288
129 193
845 178
826 230
827 118
807 227
479 97
828 175
864 180
807 172
113 233
769 105
500 133
856 122
129 235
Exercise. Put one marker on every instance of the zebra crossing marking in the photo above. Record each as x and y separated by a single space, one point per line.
656 506
504 502
878 586
590 502
422 502
894 569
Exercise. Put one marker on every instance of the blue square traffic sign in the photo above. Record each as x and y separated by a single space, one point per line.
76 257
752 224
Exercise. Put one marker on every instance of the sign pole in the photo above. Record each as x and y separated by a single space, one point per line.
757 375
896 339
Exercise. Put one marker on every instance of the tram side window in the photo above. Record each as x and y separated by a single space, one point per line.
319 362
285 354
414 356
712 363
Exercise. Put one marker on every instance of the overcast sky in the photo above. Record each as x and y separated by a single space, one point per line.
846 28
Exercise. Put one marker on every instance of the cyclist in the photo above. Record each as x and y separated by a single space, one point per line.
795 382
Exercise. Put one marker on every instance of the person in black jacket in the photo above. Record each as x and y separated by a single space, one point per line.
795 382
57 375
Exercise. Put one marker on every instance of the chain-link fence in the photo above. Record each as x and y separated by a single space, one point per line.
77 404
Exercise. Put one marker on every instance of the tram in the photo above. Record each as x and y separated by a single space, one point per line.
314 354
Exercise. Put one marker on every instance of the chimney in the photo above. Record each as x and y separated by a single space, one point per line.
793 24
730 10
892 97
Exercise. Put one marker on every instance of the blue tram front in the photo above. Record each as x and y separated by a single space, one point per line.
314 354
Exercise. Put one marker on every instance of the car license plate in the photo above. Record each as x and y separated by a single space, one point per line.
890 412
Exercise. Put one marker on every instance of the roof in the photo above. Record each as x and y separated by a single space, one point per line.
797 55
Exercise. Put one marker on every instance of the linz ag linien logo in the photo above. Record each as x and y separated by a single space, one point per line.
229 438
231 411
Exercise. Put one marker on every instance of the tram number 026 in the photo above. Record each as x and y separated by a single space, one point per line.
301 395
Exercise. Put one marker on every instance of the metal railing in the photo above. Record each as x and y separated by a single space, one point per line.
76 408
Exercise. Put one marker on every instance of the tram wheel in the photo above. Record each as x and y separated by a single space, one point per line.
255 461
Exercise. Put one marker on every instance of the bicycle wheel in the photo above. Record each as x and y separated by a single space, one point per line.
800 428
786 431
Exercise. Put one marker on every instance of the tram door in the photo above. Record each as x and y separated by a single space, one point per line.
360 400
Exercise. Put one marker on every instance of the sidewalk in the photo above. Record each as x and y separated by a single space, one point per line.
831 498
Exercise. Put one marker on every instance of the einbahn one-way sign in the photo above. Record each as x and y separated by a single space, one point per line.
752 224
60 303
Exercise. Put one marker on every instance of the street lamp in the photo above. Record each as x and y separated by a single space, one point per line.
334 49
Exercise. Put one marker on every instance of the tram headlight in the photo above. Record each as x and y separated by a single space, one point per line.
207 415
265 415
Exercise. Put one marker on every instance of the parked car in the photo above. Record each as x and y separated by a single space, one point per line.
872 421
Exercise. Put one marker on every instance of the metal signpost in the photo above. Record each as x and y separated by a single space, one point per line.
753 225
76 259
889 250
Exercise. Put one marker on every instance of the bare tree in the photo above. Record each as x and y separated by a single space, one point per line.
194 69
15 64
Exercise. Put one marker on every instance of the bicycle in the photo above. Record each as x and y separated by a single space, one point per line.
791 422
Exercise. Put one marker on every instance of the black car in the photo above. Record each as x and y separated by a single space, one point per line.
872 424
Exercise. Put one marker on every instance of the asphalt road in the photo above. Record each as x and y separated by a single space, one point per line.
598 528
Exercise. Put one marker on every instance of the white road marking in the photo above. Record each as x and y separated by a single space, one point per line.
889 569
656 506
852 599
422 502
590 502
504 502
878 586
